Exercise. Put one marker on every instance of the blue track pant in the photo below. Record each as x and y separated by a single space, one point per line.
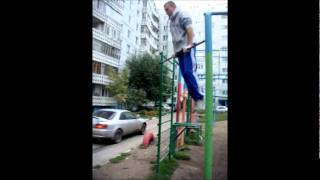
188 67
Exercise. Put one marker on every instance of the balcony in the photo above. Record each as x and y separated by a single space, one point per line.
99 14
150 41
116 5
113 22
97 34
100 57
100 79
103 101
148 24
154 23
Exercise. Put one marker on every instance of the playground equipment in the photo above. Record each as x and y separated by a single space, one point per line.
167 148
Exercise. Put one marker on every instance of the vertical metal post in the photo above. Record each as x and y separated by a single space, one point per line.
208 100
160 114
189 108
171 145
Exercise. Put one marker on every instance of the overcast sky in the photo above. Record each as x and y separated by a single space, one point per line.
189 5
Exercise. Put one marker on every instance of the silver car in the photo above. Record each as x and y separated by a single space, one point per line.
115 123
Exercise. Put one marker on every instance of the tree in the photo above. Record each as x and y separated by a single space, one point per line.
145 75
136 98
119 85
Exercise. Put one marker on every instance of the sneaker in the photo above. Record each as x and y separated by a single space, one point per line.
199 105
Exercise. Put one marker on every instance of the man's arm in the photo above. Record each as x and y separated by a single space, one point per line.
186 23
190 36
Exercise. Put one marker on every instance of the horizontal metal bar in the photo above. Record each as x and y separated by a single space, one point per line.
164 122
212 50
194 45
219 13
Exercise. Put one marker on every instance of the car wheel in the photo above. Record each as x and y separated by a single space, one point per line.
143 128
117 137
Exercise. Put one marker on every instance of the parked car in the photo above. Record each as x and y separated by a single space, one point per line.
115 123
222 109
165 107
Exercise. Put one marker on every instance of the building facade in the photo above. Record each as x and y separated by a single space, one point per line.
219 54
120 28
106 48
149 28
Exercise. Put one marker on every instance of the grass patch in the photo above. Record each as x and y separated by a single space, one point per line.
219 116
167 167
191 139
180 155
185 148
119 158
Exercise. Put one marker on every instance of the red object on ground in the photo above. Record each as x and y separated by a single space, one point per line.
147 139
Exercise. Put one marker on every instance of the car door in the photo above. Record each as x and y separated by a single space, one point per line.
125 123
135 123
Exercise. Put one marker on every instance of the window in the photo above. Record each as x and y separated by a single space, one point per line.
127 115
165 37
128 48
104 114
131 116
143 41
137 40
223 48
224 58
96 67
224 70
123 116
129 33
138 12
119 36
224 81
129 19
137 28
114 33
107 30
106 49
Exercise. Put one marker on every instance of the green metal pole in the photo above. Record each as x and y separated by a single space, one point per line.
171 145
208 99
188 108
160 114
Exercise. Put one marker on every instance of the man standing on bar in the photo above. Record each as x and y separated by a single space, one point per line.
182 39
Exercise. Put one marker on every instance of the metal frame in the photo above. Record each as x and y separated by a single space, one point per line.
209 113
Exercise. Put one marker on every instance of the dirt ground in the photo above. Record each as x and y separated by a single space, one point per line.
193 168
138 166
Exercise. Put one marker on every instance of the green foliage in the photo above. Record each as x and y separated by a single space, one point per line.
145 75
180 155
191 139
167 167
119 85
136 97
119 158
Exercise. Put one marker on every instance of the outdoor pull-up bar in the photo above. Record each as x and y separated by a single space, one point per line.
209 116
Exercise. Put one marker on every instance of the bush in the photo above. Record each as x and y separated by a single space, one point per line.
181 156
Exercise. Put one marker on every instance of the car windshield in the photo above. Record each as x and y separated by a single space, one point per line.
104 114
